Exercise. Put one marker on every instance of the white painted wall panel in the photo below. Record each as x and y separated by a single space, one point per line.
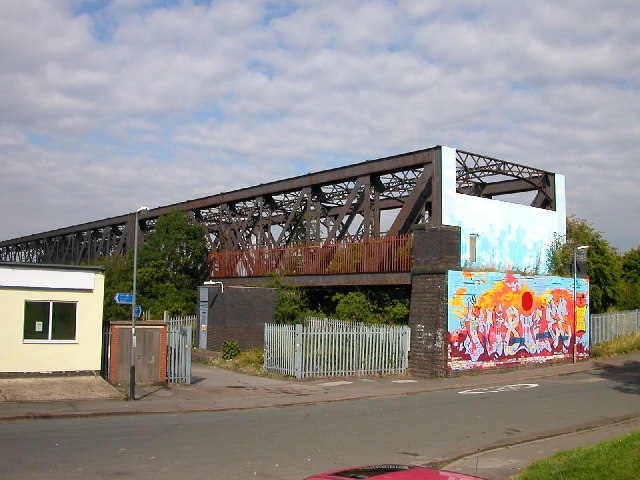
45 278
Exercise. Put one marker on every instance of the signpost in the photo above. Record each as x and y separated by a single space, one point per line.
132 369
124 298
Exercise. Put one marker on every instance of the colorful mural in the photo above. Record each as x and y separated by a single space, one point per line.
500 318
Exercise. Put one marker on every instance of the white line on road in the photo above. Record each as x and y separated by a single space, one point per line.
333 384
499 388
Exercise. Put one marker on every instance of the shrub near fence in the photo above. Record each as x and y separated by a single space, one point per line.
329 348
607 326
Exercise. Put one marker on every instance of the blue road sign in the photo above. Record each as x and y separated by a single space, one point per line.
137 310
124 298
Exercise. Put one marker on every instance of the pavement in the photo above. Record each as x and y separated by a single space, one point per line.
219 389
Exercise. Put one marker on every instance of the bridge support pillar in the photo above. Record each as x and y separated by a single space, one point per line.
436 250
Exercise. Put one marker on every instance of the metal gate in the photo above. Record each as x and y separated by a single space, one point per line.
179 344
106 351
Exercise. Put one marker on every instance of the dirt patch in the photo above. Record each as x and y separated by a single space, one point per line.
56 388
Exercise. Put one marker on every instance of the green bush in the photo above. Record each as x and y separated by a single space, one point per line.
291 304
397 313
230 349
354 306
376 307
253 358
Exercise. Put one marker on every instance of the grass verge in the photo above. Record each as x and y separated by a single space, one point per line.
617 459
250 361
617 346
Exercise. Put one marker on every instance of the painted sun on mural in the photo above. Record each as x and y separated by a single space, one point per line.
503 318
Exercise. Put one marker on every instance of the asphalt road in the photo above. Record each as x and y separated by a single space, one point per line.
289 443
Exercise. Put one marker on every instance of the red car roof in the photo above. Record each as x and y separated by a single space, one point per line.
392 472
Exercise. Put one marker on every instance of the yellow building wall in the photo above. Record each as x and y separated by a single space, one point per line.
16 355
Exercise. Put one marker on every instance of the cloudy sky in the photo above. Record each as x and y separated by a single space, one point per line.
109 105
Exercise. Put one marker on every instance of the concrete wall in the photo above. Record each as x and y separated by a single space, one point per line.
508 235
19 284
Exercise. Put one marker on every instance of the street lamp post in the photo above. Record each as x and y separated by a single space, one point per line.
132 370
575 297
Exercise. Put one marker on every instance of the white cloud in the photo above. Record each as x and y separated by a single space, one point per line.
102 109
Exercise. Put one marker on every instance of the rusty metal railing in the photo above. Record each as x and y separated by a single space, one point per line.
376 255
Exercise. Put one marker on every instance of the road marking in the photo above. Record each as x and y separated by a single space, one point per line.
404 381
499 388
334 384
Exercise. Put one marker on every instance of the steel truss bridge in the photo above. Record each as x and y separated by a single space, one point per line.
368 200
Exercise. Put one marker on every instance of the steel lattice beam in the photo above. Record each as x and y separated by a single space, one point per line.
486 177
352 202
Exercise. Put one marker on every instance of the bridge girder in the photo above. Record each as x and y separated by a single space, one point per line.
353 202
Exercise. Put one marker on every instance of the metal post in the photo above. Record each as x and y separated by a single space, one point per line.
132 370
298 351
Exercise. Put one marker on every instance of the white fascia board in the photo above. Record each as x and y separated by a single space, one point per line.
50 279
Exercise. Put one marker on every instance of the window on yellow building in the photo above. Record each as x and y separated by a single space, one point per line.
49 321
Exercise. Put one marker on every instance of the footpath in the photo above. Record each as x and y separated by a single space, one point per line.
216 389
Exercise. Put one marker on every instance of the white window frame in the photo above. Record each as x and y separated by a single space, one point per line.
50 329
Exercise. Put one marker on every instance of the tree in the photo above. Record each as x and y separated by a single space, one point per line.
603 263
631 265
631 280
172 263
372 306
118 277
291 304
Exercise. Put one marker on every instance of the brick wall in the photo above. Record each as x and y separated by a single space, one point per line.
162 371
239 314
436 250
428 322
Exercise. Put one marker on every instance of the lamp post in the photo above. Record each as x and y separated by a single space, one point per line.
575 296
132 370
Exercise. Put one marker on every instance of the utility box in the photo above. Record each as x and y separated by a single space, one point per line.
151 352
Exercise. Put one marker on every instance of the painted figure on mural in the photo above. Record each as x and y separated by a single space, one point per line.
557 314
